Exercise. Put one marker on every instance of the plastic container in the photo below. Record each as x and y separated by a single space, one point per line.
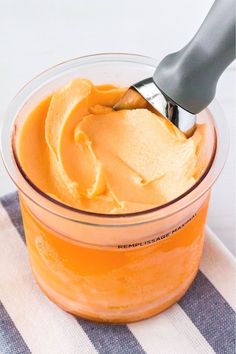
112 268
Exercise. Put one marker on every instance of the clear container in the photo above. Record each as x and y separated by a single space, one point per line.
112 268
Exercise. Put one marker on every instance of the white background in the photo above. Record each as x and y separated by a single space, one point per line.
37 34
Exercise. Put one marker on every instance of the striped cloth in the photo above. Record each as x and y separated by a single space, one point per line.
202 322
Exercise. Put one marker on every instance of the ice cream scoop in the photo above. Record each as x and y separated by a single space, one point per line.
184 82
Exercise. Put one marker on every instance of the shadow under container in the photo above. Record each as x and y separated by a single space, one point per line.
111 268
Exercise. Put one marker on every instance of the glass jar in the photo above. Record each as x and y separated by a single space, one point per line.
112 268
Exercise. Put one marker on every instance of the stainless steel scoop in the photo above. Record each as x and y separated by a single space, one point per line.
184 82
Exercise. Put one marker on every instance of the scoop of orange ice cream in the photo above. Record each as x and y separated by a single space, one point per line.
93 158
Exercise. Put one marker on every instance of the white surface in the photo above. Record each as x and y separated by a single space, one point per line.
37 34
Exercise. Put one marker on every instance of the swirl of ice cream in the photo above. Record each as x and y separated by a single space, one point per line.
88 156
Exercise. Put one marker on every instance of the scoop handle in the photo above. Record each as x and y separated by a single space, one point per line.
189 76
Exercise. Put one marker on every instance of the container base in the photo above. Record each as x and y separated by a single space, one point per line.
111 318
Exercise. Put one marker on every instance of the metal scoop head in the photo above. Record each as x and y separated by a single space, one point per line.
145 94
